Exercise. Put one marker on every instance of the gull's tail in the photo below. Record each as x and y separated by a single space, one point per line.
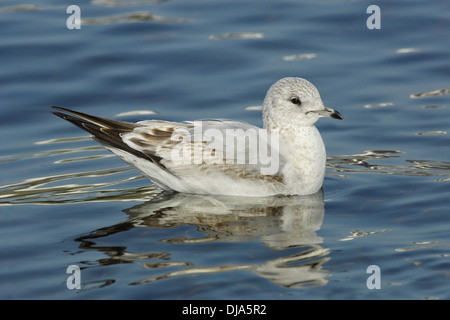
105 131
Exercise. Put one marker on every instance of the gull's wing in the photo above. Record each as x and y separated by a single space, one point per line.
206 145
186 157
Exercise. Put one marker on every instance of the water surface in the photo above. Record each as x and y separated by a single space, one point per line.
65 201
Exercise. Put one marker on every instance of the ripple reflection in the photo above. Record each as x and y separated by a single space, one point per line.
133 17
440 92
280 223
363 163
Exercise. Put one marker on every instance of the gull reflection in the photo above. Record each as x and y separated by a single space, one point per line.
279 222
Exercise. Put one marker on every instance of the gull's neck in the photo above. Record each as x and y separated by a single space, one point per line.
304 151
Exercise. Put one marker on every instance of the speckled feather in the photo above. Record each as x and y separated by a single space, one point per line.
150 146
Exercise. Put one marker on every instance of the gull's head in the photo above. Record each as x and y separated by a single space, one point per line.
294 101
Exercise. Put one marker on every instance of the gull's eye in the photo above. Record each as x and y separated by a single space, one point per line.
296 101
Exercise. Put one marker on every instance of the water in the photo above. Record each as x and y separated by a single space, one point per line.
65 201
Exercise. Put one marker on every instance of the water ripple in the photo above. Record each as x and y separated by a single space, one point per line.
423 245
430 133
362 163
440 92
359 233
24 7
284 224
407 50
142 16
378 105
40 191
114 3
304 56
136 113
238 35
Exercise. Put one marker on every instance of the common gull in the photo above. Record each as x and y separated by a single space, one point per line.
226 157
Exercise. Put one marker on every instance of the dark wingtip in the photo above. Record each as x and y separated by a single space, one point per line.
105 131
72 112
58 108
59 114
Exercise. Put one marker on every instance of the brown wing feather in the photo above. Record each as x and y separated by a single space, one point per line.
106 131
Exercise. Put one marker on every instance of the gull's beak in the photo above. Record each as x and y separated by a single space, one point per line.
328 112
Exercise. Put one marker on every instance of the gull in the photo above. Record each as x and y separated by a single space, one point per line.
225 157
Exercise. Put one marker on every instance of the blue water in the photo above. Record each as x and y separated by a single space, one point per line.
65 201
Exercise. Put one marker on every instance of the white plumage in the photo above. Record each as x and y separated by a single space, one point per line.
226 157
